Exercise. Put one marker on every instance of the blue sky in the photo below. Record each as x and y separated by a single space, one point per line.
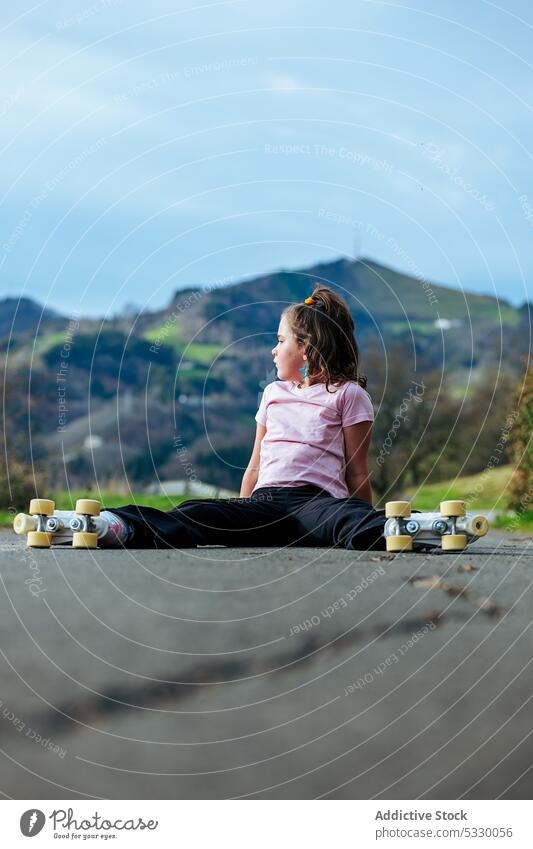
147 147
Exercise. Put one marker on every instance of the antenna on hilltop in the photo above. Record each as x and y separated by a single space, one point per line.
356 246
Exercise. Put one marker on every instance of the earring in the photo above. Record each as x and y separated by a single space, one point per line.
303 370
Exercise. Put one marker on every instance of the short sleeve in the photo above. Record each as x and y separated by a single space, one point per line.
356 405
261 416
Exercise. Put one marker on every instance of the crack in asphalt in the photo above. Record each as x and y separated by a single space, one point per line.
483 603
125 699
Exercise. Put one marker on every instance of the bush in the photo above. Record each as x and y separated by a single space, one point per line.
18 483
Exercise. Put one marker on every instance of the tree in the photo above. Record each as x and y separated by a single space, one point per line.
22 476
521 486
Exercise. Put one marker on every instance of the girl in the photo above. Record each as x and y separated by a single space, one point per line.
307 482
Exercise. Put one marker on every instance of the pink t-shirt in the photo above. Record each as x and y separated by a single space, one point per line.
304 442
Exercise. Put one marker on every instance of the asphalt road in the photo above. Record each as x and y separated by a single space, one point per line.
264 673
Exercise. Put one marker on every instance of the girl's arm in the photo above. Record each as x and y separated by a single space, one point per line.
251 474
356 444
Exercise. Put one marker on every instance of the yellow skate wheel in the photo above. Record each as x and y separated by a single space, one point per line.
399 542
83 539
452 508
397 509
39 539
477 526
23 524
453 542
88 507
42 507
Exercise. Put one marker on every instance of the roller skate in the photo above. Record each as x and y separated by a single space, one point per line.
83 527
452 529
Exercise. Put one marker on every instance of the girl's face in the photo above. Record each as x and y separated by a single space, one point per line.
288 354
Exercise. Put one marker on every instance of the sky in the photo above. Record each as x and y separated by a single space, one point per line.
149 147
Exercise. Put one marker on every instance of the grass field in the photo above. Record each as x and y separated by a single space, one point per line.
198 352
484 491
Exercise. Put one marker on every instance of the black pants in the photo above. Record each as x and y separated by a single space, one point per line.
273 517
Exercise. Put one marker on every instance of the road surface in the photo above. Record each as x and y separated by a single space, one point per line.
266 673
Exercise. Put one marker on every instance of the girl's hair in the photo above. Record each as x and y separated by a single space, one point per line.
327 331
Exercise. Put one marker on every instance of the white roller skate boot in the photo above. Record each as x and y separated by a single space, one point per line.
84 527
452 529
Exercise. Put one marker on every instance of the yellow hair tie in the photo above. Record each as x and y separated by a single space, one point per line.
309 300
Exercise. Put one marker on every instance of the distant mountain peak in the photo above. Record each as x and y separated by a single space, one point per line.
22 314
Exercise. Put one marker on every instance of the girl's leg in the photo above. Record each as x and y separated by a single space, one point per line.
259 520
323 520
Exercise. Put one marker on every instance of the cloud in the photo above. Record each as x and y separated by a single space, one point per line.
283 82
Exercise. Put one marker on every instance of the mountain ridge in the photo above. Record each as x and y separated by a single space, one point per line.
357 272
